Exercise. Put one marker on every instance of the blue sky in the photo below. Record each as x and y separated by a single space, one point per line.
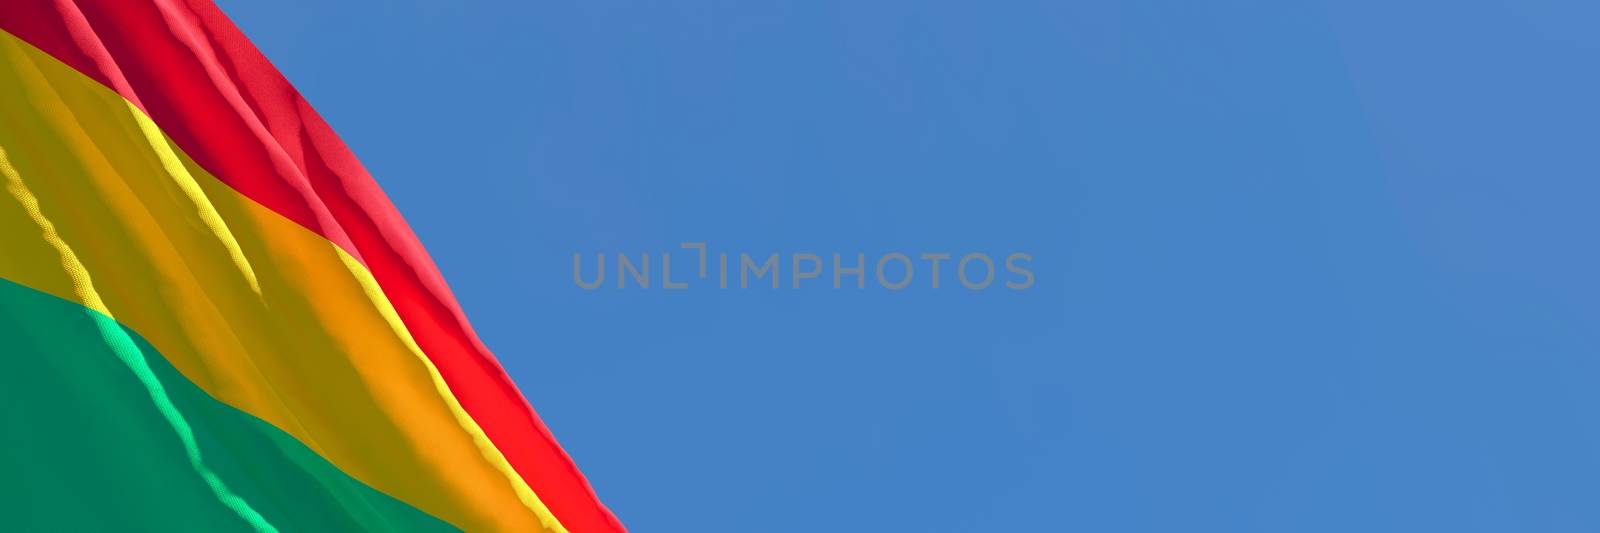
1300 266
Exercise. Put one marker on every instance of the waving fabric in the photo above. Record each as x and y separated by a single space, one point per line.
258 331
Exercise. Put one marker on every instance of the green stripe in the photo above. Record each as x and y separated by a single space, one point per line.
100 432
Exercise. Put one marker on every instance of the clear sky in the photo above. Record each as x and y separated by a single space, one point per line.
1300 265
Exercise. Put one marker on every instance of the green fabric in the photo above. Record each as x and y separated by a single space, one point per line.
101 433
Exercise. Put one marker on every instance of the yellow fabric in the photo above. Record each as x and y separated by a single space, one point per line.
102 209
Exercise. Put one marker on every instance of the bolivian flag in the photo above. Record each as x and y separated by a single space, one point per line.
212 319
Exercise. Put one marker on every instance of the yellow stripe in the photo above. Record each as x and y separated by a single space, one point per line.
260 312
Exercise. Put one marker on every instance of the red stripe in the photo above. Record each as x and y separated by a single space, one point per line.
208 88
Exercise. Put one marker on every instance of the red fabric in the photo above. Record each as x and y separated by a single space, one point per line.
207 86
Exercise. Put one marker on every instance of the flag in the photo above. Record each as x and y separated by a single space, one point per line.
212 317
